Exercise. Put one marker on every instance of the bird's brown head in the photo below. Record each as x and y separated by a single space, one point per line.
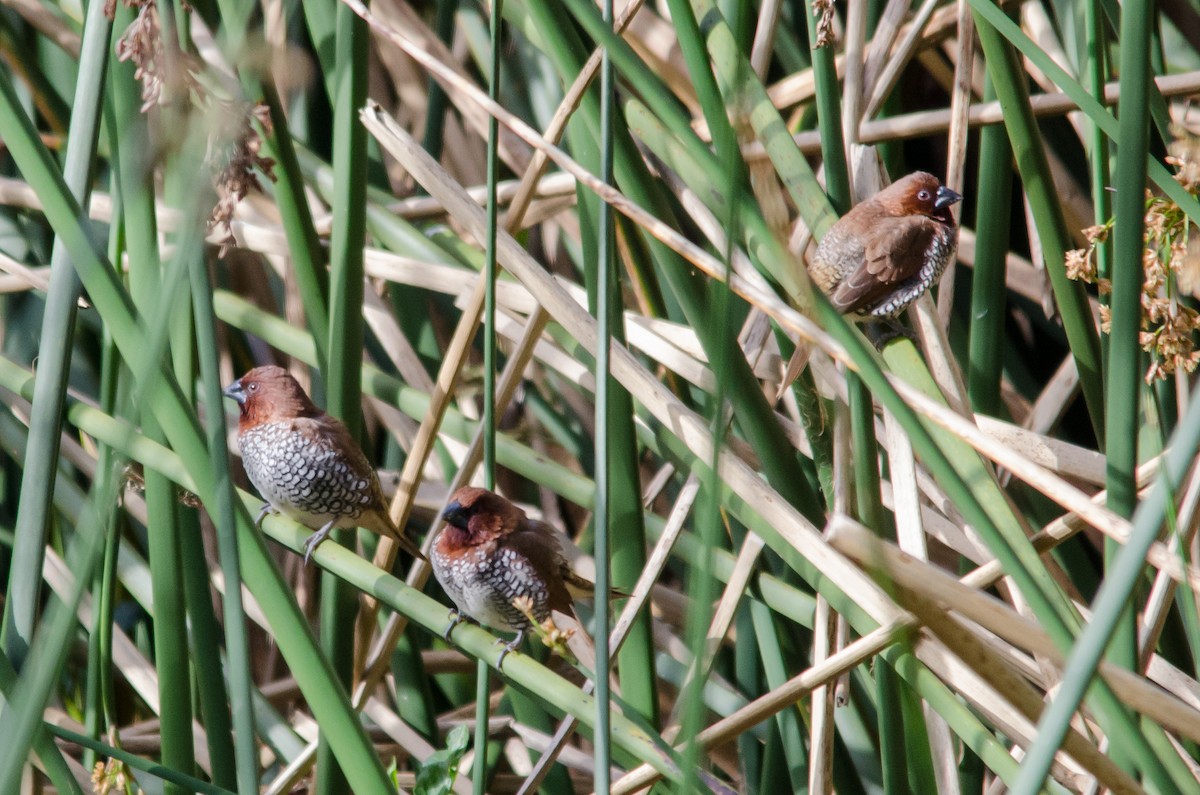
919 193
474 516
269 394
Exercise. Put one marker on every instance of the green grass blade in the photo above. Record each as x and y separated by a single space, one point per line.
37 484
237 646
338 604
1011 89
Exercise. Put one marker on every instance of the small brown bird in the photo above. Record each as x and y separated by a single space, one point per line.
490 553
305 463
879 257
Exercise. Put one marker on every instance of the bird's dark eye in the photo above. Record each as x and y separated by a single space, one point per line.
252 387
924 195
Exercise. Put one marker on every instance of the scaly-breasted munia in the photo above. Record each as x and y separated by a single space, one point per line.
305 463
879 257
490 553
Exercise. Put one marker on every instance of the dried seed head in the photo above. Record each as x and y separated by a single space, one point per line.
823 11
237 162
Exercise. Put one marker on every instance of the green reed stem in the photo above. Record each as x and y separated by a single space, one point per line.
54 355
482 669
605 289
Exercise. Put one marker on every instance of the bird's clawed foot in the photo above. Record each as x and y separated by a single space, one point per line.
315 539
262 514
512 645
456 618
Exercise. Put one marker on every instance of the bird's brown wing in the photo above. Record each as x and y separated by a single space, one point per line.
539 544
895 252
333 437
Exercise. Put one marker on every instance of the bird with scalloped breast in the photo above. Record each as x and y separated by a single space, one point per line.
305 463
888 250
490 555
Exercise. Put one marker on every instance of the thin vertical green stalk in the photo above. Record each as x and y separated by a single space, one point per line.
773 660
891 730
866 458
605 289
237 646
22 716
829 116
1123 382
349 224
98 655
751 411
490 364
702 585
307 254
137 187
992 215
170 639
435 119
329 703
1008 78
43 743
1016 556
1120 580
104 597
339 604
479 768
212 696
748 678
869 509
691 44
482 669
14 438
1095 74
627 538
54 355
1124 347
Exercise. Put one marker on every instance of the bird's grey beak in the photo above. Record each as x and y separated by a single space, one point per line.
236 392
455 515
945 198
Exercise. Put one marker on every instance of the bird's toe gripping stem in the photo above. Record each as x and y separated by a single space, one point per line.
315 539
456 618
512 645
262 514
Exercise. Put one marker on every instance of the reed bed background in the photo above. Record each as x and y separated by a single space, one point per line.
963 564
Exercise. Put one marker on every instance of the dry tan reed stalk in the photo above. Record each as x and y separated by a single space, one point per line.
933 583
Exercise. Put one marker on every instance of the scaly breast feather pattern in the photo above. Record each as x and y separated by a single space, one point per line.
301 476
941 249
483 580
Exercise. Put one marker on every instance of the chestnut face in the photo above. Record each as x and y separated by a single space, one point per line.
478 514
269 393
919 194
889 249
